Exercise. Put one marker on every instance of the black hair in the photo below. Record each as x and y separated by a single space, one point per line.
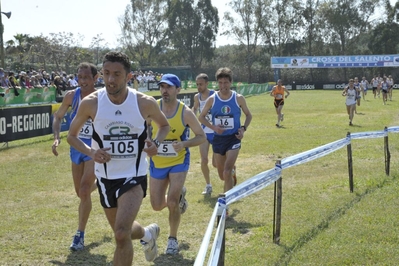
202 76
92 67
224 72
118 57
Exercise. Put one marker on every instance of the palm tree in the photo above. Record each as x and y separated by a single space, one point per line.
19 47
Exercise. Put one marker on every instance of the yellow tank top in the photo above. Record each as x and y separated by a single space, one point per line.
167 156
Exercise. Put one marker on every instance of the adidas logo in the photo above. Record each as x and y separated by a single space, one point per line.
118 112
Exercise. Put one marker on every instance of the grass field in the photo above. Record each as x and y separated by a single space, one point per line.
322 222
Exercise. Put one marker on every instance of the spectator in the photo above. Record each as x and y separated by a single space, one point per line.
5 83
22 79
44 80
14 83
59 85
72 82
35 81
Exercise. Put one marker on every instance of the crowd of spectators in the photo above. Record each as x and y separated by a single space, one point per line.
141 79
36 79
62 81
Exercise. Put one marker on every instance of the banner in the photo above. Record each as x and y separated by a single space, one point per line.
342 61
24 122
27 96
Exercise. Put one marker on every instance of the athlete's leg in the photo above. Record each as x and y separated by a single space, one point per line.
158 196
126 212
176 183
220 161
204 150
83 179
87 185
231 157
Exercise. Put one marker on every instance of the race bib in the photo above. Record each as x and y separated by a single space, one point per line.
122 146
166 149
225 121
86 132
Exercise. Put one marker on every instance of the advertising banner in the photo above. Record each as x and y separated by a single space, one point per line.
342 61
24 122
27 96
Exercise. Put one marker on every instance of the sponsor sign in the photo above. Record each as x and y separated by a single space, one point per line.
342 61
305 87
187 98
25 122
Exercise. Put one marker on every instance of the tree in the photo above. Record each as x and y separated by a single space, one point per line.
312 25
143 30
19 47
40 51
98 48
66 51
246 29
346 20
384 37
192 30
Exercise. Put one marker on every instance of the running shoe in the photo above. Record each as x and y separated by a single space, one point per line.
173 247
78 243
150 248
207 190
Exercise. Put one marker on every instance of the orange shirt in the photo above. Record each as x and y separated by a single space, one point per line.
279 90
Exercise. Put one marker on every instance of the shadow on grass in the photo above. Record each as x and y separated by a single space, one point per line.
84 257
236 227
172 260
211 200
289 251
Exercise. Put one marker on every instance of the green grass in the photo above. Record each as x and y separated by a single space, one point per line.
322 222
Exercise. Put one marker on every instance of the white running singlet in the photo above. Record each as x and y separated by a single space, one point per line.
123 129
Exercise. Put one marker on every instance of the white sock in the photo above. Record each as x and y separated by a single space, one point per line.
147 235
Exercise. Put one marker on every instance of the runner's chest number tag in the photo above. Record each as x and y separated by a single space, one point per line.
166 149
226 121
87 130
122 146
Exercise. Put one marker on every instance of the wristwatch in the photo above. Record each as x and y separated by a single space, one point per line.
156 142
244 127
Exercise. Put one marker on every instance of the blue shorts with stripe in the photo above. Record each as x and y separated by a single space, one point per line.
78 157
223 143
162 173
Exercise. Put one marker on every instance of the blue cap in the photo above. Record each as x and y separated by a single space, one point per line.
171 80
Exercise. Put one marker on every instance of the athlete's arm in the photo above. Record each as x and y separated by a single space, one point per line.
288 93
272 91
58 116
248 116
87 110
196 104
191 120
150 110
204 112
